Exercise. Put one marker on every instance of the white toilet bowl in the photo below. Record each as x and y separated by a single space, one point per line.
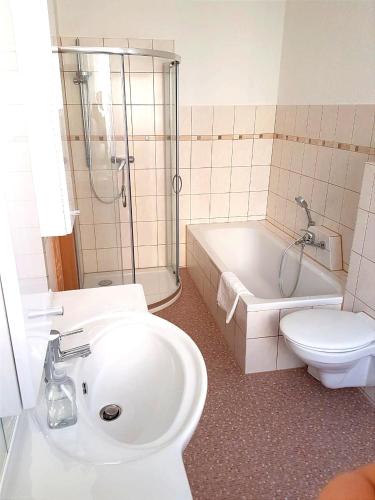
337 346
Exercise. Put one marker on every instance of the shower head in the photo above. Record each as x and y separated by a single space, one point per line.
303 204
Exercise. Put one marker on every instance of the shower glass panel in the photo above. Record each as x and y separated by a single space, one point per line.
96 122
123 123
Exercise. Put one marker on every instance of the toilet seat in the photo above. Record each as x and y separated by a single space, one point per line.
327 330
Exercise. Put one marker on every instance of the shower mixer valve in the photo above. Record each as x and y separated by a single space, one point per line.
309 238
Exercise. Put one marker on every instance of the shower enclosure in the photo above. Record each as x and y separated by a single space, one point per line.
122 117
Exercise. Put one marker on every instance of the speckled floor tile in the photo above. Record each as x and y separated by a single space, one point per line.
276 435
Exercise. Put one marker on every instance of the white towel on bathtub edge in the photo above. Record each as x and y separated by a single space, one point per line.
228 294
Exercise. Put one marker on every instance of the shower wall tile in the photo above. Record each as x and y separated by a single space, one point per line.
329 161
360 291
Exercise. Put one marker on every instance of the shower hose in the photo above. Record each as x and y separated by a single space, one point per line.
282 265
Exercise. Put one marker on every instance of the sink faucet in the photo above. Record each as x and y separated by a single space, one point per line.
55 354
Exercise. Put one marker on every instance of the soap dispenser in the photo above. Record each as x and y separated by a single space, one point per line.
61 400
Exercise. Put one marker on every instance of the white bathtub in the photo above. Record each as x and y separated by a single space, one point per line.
252 250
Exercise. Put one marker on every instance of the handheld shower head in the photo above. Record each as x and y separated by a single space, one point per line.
303 204
301 201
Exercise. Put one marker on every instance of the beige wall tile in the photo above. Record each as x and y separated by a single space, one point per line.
90 264
314 121
200 206
297 157
242 153
319 196
265 119
363 124
145 182
369 244
262 152
223 120
221 153
106 236
144 154
202 120
309 160
329 121
220 180
185 155
146 208
258 202
147 256
334 200
260 177
345 123
87 236
238 204
356 166
349 209
185 120
365 286
244 119
103 213
261 354
300 128
240 179
147 233
219 206
201 154
200 180
339 166
143 120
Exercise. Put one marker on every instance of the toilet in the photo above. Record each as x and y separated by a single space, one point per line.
337 346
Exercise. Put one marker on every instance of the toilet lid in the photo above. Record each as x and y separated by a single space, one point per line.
329 330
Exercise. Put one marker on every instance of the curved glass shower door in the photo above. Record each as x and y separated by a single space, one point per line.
122 115
152 142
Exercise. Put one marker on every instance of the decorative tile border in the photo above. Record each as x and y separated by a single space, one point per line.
237 137
328 144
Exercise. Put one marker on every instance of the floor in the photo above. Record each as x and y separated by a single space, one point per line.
158 283
276 435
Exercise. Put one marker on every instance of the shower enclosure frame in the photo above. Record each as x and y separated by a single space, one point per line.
174 61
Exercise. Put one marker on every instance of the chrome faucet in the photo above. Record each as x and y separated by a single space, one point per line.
309 238
55 354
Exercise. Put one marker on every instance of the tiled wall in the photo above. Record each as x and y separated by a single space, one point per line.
360 287
319 152
225 157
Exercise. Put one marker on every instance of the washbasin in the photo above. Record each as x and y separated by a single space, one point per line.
140 393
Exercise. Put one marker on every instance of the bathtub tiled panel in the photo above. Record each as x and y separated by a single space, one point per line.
320 153
360 289
253 336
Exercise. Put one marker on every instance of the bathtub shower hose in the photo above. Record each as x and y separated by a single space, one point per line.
282 265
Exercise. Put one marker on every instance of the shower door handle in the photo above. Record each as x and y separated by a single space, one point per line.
177 178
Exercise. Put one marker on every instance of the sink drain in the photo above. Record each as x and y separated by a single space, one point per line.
110 412
105 282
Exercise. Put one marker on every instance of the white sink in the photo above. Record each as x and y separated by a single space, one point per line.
153 371
146 365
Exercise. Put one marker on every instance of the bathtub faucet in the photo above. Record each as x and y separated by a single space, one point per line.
309 238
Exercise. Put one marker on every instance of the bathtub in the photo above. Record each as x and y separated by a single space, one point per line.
252 250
